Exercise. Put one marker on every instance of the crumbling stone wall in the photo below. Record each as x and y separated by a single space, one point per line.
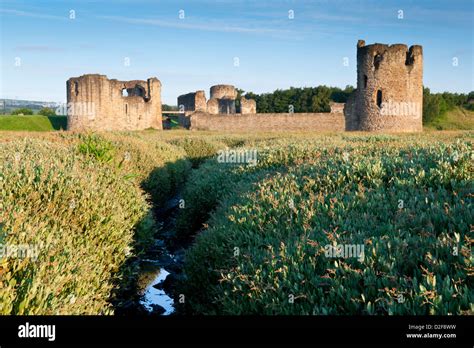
192 102
213 106
389 94
351 118
337 107
248 106
223 92
322 122
225 99
222 101
97 103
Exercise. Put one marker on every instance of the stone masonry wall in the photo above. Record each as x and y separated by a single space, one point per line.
336 107
248 106
352 121
193 101
223 92
268 122
213 106
97 103
389 94
224 97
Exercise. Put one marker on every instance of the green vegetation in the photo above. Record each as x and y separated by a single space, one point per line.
82 233
409 206
198 149
437 106
22 111
47 112
96 147
33 123
454 119
260 232
307 99
166 107
75 205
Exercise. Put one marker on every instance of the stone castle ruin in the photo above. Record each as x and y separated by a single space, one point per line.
97 103
221 102
388 97
389 94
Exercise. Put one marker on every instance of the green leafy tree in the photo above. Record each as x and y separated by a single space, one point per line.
47 112
22 111
306 99
321 99
240 93
166 107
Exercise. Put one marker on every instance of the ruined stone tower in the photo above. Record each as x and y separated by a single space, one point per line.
195 101
223 99
248 106
389 94
97 103
221 102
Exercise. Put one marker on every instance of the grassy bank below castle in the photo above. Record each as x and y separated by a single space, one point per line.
32 123
455 119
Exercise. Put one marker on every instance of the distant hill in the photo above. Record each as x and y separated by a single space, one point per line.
7 105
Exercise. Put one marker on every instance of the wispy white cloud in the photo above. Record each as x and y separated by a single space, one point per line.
204 25
31 14
38 48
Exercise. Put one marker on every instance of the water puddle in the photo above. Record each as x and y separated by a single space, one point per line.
153 297
158 271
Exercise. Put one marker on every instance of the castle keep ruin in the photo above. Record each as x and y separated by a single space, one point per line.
221 102
113 104
389 94
388 97
224 96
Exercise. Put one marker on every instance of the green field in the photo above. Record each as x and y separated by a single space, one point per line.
32 123
259 232
456 119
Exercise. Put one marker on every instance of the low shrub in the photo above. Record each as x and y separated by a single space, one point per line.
76 219
198 149
409 208
81 202
159 167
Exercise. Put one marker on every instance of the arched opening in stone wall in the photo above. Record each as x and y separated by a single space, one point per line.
377 60
76 88
365 81
410 58
137 91
126 109
379 98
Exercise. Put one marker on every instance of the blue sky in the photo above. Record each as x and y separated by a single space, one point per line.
201 49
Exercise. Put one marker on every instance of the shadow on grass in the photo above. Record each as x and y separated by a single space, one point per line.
58 122
161 185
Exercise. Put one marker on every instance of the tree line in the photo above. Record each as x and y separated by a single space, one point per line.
306 99
318 99
435 105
